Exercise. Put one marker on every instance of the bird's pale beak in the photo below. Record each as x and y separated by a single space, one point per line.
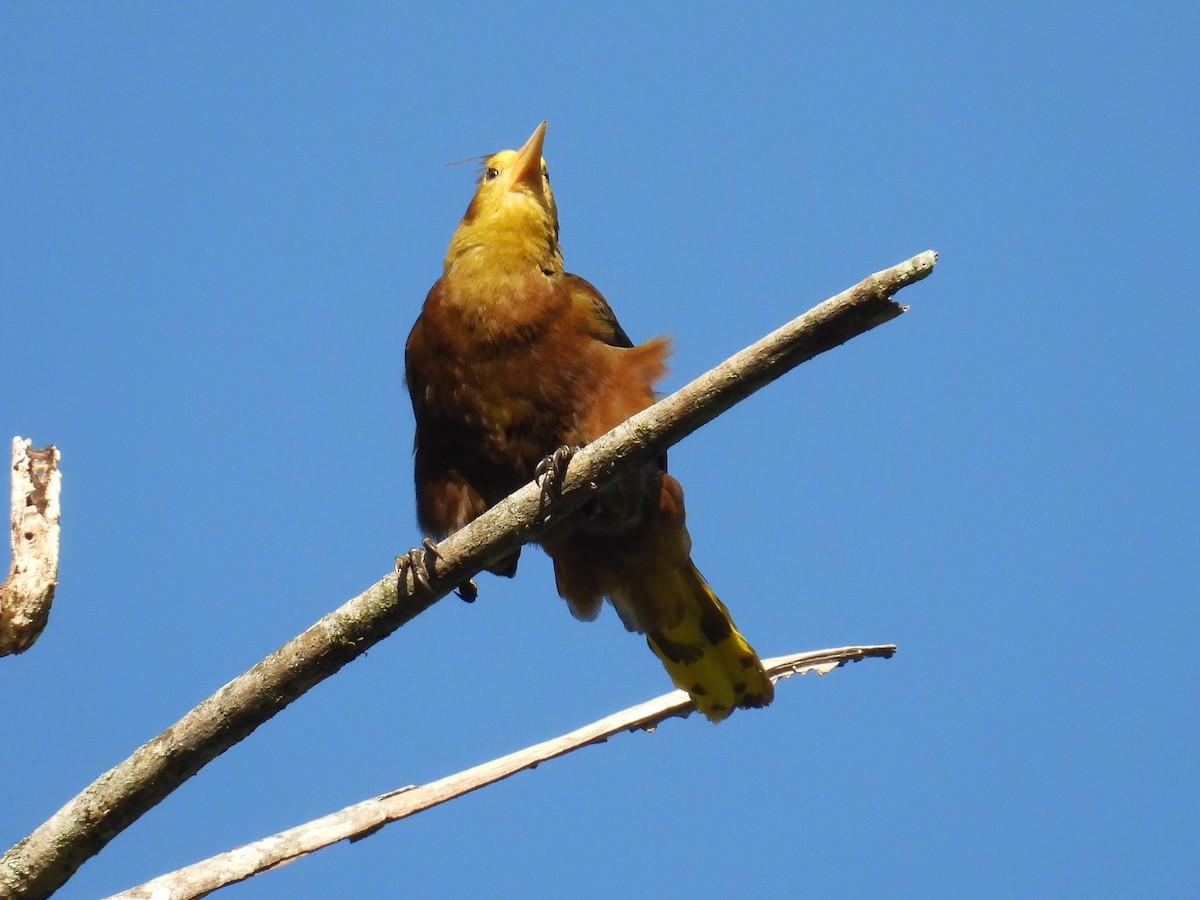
527 170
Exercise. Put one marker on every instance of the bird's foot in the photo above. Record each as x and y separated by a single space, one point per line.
417 562
549 475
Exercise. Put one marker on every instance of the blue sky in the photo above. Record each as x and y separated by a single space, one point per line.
218 224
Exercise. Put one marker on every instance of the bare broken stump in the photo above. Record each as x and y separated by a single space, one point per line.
28 590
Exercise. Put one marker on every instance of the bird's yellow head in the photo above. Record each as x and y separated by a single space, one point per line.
512 222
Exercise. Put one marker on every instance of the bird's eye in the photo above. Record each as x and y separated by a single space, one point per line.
546 174
490 172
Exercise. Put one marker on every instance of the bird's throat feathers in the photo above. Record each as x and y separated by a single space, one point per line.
501 240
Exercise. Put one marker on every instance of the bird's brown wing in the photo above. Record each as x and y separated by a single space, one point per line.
603 320
606 328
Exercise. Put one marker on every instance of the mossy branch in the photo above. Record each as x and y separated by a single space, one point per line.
40 863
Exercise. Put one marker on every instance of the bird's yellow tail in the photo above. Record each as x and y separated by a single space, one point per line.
705 654
641 561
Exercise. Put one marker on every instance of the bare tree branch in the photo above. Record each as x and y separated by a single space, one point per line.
364 819
41 862
28 590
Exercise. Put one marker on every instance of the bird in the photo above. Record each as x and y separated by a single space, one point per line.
512 361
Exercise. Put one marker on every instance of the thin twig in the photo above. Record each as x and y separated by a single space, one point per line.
40 863
365 818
